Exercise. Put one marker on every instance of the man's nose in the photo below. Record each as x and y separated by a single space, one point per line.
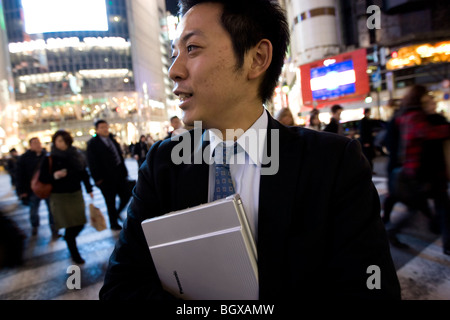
177 70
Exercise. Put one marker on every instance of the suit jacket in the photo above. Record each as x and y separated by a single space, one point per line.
101 161
332 126
319 225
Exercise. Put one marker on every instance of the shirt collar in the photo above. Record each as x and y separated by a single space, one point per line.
252 141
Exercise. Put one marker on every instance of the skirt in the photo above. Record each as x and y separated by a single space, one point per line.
68 209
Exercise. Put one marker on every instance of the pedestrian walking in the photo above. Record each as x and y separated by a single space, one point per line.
11 165
314 121
408 134
68 170
366 129
284 116
109 172
140 150
335 126
434 172
176 124
26 166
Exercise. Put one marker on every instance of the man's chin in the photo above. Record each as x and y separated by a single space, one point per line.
188 120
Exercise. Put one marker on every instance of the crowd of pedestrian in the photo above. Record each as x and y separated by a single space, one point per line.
417 139
66 168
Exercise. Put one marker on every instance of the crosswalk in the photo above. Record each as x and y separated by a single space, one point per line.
44 274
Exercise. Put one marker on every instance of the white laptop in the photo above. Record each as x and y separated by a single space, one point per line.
205 252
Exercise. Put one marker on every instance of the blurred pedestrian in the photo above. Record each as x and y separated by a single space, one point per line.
12 240
434 172
11 165
26 166
366 129
176 124
314 121
140 150
335 126
284 116
408 133
68 170
108 170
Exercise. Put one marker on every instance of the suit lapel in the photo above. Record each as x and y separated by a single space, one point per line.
192 187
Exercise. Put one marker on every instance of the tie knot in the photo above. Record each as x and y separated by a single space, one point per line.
223 153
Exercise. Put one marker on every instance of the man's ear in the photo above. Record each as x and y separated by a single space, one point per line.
261 58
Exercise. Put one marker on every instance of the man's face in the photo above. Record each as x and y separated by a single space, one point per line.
103 129
204 68
35 145
337 115
175 123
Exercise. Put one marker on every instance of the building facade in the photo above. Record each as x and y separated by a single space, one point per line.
406 42
68 76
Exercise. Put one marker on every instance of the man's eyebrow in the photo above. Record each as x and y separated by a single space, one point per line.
186 37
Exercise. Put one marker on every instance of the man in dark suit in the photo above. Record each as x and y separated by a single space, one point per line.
366 129
334 126
108 170
308 196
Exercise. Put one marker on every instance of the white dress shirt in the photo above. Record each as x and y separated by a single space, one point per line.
245 167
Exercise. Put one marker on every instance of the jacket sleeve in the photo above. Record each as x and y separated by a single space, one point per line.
131 273
21 179
94 160
86 180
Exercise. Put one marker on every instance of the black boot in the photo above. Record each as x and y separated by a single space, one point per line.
74 253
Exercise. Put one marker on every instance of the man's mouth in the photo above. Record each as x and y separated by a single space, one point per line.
184 96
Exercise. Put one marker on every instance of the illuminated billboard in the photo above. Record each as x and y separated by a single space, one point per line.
335 80
43 16
338 79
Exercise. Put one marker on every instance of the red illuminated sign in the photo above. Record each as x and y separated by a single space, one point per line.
339 79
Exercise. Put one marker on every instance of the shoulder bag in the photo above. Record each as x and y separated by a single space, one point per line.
41 189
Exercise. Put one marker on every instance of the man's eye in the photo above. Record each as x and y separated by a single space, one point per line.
190 48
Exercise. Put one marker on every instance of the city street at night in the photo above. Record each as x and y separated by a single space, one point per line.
423 270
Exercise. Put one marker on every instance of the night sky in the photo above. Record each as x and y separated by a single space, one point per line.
172 6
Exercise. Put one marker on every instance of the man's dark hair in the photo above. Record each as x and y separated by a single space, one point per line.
98 122
335 108
32 139
413 97
248 22
173 118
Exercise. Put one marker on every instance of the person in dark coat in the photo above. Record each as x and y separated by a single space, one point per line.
366 129
11 165
334 126
26 166
140 150
67 172
434 172
107 168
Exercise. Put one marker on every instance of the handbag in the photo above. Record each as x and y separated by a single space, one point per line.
96 217
41 189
